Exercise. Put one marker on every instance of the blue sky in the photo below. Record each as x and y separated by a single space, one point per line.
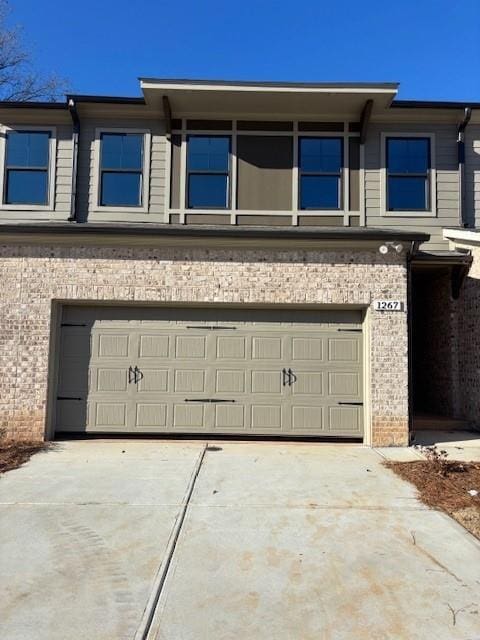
432 47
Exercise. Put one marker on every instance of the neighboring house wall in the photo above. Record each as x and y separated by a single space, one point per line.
472 175
34 276
447 186
468 320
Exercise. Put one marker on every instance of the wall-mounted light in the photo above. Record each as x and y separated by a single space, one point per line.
395 246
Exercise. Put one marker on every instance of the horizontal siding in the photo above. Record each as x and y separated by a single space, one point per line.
86 165
447 185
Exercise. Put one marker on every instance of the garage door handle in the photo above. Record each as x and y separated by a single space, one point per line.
352 404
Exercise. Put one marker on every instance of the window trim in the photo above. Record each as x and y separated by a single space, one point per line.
52 164
340 174
188 173
431 212
146 177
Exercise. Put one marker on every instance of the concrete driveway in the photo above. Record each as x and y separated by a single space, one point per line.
172 540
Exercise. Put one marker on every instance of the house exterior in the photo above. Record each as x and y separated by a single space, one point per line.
247 259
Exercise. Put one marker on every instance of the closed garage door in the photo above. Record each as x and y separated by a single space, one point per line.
238 371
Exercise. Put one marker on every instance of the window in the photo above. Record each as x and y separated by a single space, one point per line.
27 161
208 168
121 169
320 173
408 174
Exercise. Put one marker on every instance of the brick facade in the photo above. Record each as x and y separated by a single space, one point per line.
35 275
468 320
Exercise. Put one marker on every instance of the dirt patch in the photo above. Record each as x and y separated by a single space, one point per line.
447 489
14 454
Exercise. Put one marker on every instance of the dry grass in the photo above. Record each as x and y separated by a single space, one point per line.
14 454
445 486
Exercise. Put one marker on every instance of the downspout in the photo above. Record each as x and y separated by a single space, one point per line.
462 201
75 138
411 254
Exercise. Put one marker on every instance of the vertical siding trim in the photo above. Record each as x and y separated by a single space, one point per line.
362 195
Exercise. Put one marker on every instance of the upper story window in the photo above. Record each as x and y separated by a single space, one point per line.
408 166
320 173
27 167
208 172
121 169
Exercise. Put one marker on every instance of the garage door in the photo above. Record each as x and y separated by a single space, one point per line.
237 371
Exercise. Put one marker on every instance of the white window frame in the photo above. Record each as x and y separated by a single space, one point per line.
233 211
427 213
52 164
144 207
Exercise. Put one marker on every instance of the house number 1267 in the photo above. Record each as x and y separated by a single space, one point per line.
388 305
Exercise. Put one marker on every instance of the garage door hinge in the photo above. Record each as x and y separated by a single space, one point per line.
351 330
209 328
352 404
207 400
72 324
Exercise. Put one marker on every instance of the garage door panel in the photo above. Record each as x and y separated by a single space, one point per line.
153 380
190 416
110 379
343 384
308 349
307 418
189 380
266 417
110 414
154 346
231 348
190 347
266 381
149 415
113 345
308 383
230 417
264 348
343 350
71 414
229 381
345 420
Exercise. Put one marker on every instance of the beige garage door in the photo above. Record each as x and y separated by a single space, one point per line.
238 371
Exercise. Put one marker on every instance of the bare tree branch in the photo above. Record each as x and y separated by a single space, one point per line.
19 81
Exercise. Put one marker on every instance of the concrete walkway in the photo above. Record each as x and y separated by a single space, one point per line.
150 539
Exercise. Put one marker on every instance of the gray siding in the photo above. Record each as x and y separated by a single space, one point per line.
446 175
87 206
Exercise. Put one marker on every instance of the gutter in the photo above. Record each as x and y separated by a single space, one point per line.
75 139
152 230
461 167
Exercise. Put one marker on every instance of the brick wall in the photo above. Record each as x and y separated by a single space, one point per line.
34 276
469 341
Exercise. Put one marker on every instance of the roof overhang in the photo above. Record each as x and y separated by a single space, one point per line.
263 99
463 236
180 235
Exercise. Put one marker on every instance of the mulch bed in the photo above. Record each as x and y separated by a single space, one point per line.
14 454
446 487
